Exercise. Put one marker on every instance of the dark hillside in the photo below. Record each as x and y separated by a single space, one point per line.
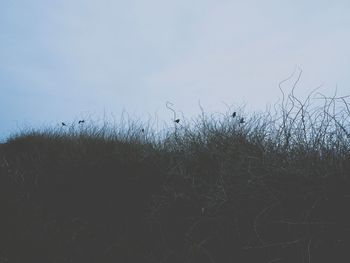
274 189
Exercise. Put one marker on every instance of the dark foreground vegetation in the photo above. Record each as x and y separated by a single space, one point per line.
275 188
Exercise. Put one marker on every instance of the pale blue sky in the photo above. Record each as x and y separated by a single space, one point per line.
63 59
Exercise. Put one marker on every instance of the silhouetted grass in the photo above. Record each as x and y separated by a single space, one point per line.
272 189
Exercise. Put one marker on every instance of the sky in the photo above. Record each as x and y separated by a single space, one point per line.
61 60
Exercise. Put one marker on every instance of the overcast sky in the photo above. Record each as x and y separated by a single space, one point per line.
66 59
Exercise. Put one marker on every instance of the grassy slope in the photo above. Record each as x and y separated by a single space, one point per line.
220 191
